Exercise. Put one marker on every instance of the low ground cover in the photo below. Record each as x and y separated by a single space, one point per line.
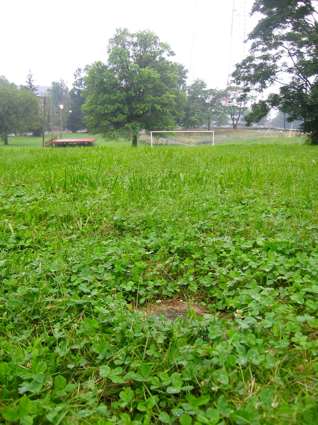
89 237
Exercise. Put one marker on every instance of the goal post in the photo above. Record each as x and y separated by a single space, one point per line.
209 133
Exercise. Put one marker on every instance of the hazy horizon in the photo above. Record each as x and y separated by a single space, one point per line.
52 39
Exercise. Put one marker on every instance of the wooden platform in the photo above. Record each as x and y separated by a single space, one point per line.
87 141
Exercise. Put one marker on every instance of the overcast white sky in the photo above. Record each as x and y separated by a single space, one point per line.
54 37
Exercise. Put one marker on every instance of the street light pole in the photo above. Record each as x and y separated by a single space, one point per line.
43 119
61 120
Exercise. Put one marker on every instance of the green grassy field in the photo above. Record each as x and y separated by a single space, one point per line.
36 142
90 237
222 136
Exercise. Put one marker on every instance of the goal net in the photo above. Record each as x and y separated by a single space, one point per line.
182 137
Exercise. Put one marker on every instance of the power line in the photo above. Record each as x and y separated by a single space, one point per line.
238 34
230 59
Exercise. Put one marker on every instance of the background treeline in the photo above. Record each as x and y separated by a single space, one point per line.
140 87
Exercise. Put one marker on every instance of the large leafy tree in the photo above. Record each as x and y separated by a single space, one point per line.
76 117
140 86
30 85
59 95
236 100
204 106
19 110
196 111
284 55
217 108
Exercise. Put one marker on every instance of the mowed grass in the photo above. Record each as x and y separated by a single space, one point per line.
222 136
90 236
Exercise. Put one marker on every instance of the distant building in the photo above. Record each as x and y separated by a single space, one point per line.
42 91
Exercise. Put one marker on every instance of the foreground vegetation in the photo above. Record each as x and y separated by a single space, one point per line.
90 236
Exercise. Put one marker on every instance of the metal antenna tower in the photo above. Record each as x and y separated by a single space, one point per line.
238 34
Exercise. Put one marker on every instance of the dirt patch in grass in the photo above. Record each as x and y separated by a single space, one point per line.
172 309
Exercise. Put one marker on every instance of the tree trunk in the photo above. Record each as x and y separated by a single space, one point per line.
234 125
134 140
6 139
314 137
209 123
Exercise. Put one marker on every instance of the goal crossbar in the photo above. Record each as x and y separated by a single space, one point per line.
181 131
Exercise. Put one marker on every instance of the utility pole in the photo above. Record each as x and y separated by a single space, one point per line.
231 45
43 119
238 34
61 120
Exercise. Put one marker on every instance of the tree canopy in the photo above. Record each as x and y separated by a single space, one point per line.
140 86
19 109
76 119
236 104
196 110
204 106
284 54
59 95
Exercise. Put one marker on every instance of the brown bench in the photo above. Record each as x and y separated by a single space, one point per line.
87 141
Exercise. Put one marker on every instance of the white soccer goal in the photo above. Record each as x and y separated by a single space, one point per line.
182 137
